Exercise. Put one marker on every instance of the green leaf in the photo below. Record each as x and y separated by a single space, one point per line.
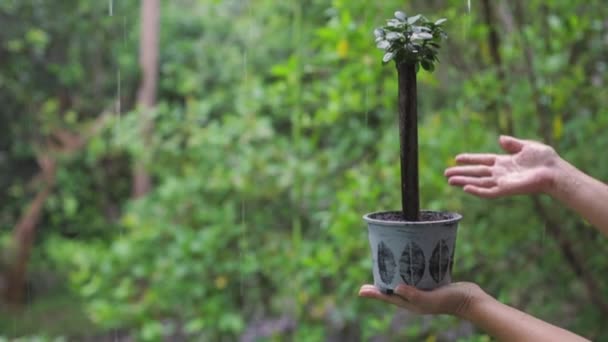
394 23
383 44
392 36
427 65
414 19
388 56
440 21
422 36
400 15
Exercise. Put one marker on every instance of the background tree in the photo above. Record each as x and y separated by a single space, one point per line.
146 96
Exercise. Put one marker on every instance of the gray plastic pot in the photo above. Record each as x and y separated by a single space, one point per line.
418 253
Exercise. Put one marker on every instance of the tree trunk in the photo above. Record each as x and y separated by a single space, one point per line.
408 138
146 96
60 142
24 233
494 44
573 257
542 110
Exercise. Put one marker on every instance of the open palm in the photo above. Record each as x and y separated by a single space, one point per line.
526 169
453 299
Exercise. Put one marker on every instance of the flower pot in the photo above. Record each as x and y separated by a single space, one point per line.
419 253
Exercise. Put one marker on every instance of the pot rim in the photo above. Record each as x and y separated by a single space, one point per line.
456 217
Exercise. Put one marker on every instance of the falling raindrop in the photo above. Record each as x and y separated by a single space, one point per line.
117 110
118 94
243 244
111 7
366 105
244 253
243 247
124 30
366 19
245 66
467 21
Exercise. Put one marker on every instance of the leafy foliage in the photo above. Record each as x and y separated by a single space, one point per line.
414 40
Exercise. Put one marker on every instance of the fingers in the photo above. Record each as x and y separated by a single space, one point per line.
469 171
409 293
483 182
492 192
511 144
370 291
476 158
418 301
508 143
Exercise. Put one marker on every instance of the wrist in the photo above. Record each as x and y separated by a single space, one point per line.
549 171
474 298
559 177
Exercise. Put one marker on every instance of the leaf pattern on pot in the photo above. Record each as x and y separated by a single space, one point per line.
412 264
386 263
440 260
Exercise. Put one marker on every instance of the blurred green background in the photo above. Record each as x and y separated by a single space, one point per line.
273 132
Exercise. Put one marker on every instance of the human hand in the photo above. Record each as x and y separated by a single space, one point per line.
529 167
452 299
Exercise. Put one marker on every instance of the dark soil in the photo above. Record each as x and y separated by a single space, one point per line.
425 216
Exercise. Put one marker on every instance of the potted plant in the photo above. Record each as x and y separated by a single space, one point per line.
411 246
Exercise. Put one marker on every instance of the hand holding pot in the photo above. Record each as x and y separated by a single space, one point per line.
468 301
452 299
529 167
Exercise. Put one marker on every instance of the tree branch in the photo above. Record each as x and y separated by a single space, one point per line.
24 233
494 44
574 260
59 142
146 96
542 110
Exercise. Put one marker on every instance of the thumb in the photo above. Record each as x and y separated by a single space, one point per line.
511 144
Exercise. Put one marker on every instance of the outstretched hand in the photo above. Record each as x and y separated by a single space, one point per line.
453 299
527 168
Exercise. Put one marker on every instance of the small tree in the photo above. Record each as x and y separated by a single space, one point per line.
411 42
